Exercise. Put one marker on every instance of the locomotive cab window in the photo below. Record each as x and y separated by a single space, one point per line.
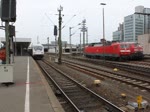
37 48
97 44
122 46
91 44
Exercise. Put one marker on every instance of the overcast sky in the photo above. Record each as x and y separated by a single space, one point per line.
36 18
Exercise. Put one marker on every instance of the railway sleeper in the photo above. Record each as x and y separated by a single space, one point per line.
72 90
63 80
68 87
95 109
66 84
148 87
80 97
88 105
88 100
78 94
139 82
144 84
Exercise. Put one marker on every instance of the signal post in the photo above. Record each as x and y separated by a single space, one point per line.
59 36
8 14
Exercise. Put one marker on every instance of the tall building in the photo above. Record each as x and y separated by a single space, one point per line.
135 24
119 34
147 20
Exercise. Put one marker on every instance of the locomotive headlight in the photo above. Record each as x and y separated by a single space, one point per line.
135 49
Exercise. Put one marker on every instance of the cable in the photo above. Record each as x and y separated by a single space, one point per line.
50 19
68 21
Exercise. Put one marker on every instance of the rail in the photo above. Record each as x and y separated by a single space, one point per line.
108 105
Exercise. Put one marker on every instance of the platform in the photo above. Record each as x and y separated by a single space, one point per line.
30 91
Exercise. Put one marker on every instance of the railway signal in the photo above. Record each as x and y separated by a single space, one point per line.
55 34
8 10
55 30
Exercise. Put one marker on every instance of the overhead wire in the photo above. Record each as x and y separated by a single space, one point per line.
49 19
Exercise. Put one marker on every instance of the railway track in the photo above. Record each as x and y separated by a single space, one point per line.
81 98
132 68
143 63
102 73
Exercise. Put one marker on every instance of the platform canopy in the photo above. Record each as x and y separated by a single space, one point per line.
20 45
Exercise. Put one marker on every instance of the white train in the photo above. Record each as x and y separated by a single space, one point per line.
36 51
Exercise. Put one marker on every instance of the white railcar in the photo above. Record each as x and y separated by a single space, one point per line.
37 51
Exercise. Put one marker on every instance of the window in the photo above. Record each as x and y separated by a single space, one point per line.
37 48
124 46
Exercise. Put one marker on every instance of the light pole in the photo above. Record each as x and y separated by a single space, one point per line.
48 42
80 44
83 29
70 38
103 21
86 35
103 30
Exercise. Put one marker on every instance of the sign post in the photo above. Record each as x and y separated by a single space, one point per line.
139 101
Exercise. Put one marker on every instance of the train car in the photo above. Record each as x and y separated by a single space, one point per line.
36 51
136 51
114 50
3 54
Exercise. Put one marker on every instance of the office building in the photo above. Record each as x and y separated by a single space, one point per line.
119 34
135 25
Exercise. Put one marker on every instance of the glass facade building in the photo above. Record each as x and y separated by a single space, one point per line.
147 20
119 34
135 25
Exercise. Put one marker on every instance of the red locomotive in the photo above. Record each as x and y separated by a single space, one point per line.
2 54
114 50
